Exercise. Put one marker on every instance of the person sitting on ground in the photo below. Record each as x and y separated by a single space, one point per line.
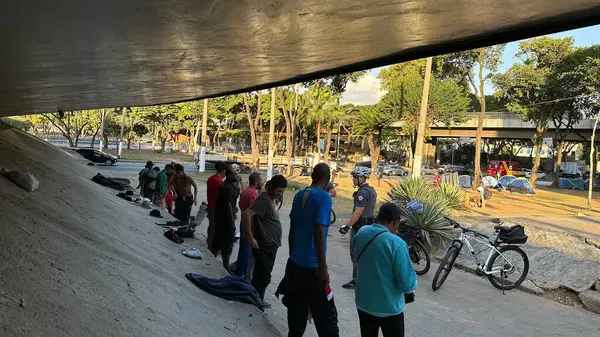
244 265
225 215
385 274
184 199
162 186
262 229
141 175
212 186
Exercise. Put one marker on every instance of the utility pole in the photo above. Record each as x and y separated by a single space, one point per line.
120 151
416 170
202 154
101 129
271 137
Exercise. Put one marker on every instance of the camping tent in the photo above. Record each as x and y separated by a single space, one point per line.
465 181
566 184
505 180
75 55
520 185
578 183
490 182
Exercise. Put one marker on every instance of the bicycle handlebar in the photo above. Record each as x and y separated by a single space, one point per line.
464 229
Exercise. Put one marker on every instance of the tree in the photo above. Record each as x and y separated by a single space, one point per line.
447 104
161 119
253 124
320 100
526 86
462 64
371 122
71 124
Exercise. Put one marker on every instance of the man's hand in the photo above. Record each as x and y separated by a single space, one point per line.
323 275
344 229
195 202
254 243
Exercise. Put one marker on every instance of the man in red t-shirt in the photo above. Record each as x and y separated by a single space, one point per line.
243 266
212 186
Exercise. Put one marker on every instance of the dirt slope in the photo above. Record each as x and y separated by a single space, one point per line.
75 260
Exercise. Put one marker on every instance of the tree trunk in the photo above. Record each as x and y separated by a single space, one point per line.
163 144
477 161
592 163
318 142
374 152
327 146
105 145
94 138
538 140
128 143
559 156
288 133
253 141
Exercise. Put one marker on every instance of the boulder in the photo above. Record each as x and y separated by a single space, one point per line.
591 300
530 287
23 179
597 285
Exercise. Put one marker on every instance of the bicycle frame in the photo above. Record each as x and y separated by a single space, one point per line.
482 268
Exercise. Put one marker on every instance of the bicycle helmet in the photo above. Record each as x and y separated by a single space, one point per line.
235 168
361 171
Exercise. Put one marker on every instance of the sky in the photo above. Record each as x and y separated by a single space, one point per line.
368 90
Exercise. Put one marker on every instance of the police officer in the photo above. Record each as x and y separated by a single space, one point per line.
362 213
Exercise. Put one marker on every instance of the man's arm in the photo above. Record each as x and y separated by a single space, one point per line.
195 191
291 237
355 216
247 217
322 270
404 274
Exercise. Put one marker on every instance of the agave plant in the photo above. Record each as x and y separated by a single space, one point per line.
452 195
409 189
431 222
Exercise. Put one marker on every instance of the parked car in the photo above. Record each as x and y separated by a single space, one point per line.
453 168
394 170
502 168
426 169
95 156
527 172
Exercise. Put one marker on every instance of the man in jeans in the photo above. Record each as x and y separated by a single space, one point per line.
262 229
306 272
385 274
244 265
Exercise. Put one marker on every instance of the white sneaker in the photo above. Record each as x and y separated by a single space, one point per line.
194 253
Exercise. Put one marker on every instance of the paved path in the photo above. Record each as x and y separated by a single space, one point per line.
136 167
466 305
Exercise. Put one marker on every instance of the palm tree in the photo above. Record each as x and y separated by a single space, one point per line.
372 121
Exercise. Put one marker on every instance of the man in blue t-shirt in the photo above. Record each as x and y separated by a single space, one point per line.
306 271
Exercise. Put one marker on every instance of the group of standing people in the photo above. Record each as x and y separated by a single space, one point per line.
171 189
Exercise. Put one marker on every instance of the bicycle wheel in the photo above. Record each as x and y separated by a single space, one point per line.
512 265
419 256
445 267
333 217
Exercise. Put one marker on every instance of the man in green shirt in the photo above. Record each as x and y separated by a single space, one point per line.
162 186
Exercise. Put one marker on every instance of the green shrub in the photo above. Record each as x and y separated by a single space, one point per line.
453 196
411 188
431 222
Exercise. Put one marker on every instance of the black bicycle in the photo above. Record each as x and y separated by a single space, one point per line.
418 253
507 264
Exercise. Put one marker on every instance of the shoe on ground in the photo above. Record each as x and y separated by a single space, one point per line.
349 285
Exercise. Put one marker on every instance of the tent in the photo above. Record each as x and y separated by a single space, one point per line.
520 185
75 55
450 178
465 181
566 184
505 180
578 183
490 182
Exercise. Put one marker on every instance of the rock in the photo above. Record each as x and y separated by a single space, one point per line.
23 179
591 300
597 285
549 269
530 287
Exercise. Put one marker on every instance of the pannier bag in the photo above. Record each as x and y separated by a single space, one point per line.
512 235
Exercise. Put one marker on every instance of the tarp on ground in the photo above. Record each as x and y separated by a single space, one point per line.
505 180
465 181
520 185
75 55
489 181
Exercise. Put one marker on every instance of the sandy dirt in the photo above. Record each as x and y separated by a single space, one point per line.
75 260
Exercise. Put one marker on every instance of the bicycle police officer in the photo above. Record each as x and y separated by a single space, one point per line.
362 214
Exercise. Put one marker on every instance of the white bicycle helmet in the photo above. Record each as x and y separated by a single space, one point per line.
236 168
361 171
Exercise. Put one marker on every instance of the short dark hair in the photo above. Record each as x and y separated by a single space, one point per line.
278 181
320 173
254 178
389 212
178 168
156 168
221 166
169 167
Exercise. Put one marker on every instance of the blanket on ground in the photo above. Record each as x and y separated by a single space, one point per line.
231 288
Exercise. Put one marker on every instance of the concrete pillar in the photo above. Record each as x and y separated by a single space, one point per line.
429 153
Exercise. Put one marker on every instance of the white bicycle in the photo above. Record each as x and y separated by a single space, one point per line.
507 264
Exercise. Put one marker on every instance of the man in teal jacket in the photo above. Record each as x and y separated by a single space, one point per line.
385 274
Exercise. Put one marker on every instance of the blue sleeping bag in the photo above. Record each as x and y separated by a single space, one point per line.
231 288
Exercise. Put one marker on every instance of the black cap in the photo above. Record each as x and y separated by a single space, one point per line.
155 213
389 212
149 164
